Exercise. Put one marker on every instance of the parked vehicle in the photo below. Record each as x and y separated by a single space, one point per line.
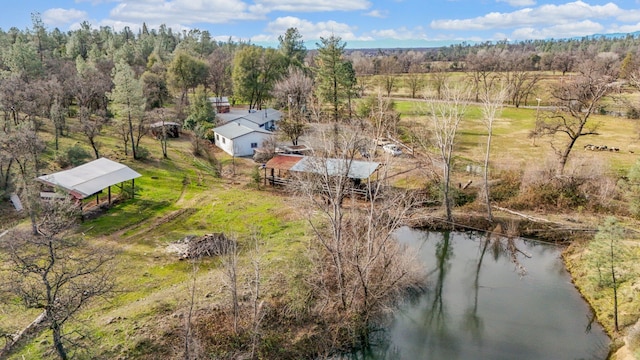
392 149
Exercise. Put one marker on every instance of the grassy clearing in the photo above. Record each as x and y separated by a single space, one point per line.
174 198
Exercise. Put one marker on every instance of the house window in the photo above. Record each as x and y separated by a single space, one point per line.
217 137
254 145
224 141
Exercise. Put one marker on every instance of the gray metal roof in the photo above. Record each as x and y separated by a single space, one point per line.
259 117
234 130
336 167
88 179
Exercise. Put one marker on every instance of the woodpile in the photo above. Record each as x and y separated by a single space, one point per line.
192 247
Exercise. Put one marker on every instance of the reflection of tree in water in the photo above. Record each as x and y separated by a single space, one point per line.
473 323
436 316
500 246
503 243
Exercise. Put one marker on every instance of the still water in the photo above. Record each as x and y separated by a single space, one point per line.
491 299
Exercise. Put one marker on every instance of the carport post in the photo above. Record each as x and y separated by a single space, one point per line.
109 192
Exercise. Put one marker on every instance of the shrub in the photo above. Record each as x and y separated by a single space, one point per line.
632 189
256 176
633 113
73 156
507 187
143 153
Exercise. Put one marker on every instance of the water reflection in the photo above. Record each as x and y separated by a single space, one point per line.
490 298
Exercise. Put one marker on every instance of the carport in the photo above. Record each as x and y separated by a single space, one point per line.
91 178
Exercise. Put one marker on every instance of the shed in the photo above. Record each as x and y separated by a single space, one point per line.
221 104
91 178
172 129
280 166
355 169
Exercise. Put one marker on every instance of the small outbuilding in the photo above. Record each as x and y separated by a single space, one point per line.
280 168
221 104
172 129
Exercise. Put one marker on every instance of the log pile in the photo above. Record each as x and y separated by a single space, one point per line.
192 247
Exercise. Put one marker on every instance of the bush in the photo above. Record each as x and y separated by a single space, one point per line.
143 153
73 156
633 113
632 189
507 187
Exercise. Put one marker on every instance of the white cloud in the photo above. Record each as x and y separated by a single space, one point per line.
185 11
624 28
543 15
377 14
310 31
402 33
313 5
519 3
94 2
568 29
59 17
630 16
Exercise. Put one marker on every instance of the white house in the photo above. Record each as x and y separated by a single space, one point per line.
240 138
266 119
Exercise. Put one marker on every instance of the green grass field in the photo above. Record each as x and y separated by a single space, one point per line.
175 197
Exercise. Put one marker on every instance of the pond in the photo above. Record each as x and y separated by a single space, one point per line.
491 299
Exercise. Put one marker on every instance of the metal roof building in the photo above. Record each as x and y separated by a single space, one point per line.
333 167
354 169
90 178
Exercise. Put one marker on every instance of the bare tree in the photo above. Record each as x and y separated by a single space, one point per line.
56 270
484 67
121 130
380 111
230 261
91 127
220 63
388 69
492 102
414 80
576 99
361 268
192 295
23 147
522 85
294 90
258 313
162 136
438 79
443 120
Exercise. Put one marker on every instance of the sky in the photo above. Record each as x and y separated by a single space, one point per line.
359 23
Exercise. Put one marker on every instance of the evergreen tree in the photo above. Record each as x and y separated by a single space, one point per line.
610 254
292 47
127 98
332 76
